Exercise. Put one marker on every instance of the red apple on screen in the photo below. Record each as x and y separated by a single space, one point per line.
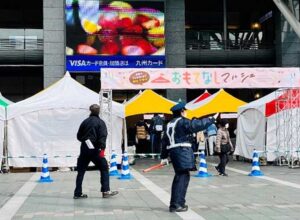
108 19
110 48
151 23
134 29
150 17
141 19
125 23
106 35
127 40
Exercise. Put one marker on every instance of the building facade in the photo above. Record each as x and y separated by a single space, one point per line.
220 33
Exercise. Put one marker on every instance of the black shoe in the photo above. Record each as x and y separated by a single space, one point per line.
179 209
82 196
223 174
109 194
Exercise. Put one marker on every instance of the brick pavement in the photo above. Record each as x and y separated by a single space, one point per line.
235 197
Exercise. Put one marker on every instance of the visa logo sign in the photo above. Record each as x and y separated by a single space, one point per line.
78 63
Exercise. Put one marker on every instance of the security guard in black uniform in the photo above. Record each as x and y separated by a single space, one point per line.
177 142
92 134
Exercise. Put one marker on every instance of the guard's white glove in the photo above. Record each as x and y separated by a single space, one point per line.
164 162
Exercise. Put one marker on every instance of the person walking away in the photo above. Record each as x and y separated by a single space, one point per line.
223 146
92 134
177 142
212 134
156 128
141 136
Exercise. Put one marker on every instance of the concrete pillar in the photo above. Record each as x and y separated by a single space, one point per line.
54 41
175 41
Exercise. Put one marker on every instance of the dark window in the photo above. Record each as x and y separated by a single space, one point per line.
18 83
21 14
248 40
90 80
250 24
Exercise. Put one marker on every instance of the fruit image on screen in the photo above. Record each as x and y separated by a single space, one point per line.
114 34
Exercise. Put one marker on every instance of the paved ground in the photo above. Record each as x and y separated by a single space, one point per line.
276 196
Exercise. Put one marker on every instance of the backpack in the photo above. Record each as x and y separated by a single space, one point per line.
158 124
141 132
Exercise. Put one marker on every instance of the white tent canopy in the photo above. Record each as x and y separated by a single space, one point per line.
5 99
48 123
193 104
255 130
2 120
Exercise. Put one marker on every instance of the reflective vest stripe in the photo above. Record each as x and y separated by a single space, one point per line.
171 135
179 145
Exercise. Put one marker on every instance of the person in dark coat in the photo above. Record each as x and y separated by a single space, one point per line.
223 138
156 128
177 143
92 134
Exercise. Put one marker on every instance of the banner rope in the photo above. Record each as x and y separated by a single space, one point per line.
129 154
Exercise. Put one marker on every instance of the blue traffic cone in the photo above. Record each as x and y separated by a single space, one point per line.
113 170
45 177
202 167
125 172
255 166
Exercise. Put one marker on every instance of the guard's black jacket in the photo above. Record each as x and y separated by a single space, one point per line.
92 128
183 157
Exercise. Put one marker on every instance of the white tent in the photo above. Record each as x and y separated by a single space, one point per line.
256 127
3 103
2 121
193 104
48 123
5 100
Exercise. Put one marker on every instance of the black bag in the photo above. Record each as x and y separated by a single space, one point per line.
225 148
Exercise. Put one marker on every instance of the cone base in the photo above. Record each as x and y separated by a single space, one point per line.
114 173
256 173
127 177
45 180
203 175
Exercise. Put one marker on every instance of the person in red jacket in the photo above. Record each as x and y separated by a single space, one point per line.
92 134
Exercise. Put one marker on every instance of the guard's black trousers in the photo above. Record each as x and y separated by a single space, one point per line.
82 163
179 187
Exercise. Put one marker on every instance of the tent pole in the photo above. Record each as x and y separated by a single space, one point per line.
125 135
5 167
106 115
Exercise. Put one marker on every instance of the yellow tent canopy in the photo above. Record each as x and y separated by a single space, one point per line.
221 101
148 102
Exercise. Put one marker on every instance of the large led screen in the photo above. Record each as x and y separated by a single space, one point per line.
114 34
